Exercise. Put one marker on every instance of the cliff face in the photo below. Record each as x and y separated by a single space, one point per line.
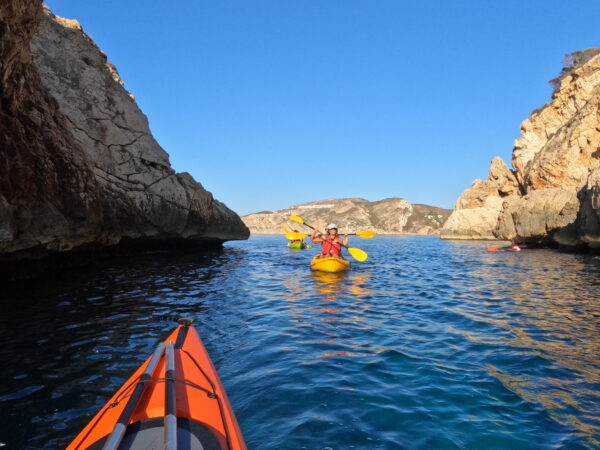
78 164
552 193
388 216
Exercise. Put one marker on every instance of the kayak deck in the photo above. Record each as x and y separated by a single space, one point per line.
174 397
331 264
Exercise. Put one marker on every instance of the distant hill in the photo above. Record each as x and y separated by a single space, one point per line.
387 216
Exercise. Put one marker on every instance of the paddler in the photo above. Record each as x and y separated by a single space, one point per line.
331 244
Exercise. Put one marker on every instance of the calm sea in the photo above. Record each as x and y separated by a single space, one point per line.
428 344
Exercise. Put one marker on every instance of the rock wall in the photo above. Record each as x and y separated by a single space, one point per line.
551 194
78 164
388 216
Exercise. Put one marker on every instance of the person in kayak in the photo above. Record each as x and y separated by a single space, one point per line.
331 244
509 248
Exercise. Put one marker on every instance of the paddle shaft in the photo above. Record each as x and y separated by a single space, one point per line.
348 248
313 228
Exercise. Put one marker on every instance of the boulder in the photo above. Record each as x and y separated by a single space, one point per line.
478 222
544 215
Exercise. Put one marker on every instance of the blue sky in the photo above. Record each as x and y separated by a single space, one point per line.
270 103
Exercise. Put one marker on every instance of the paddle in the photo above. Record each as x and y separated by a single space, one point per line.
367 234
356 253
295 236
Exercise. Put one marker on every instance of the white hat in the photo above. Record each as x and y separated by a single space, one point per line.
331 226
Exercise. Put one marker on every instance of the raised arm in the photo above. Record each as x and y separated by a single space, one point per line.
316 238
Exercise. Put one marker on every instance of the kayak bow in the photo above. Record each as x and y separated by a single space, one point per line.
174 397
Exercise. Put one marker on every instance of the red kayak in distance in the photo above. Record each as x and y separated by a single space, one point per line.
514 248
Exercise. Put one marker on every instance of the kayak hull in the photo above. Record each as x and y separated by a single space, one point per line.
330 264
203 415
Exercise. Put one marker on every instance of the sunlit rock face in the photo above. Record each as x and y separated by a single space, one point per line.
551 194
388 216
78 164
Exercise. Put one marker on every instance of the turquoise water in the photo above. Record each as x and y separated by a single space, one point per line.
427 344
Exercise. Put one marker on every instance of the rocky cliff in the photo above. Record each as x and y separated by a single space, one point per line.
388 216
552 193
79 168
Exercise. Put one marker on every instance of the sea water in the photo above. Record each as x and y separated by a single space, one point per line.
427 344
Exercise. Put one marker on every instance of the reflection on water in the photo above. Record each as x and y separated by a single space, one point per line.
554 315
427 344
333 287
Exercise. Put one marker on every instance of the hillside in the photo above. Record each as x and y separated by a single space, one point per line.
387 216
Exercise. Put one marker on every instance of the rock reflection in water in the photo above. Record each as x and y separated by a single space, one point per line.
551 314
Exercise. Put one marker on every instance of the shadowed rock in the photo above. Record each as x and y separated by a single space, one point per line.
79 168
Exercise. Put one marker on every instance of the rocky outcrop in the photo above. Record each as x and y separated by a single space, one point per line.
78 164
388 216
589 214
551 195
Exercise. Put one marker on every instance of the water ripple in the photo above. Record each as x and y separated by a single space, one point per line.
428 344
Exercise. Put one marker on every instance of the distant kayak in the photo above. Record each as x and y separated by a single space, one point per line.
297 245
175 398
329 264
514 248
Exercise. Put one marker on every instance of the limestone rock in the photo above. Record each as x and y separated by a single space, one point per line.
78 164
477 222
503 178
478 208
47 191
542 215
589 214
559 143
552 194
388 216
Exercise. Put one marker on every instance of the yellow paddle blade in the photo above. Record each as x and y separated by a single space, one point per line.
297 219
358 254
294 236
285 230
367 234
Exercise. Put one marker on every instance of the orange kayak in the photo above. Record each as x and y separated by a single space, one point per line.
174 398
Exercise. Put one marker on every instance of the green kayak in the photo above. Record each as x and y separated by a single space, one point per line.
297 245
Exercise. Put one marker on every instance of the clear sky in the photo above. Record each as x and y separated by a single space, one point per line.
270 103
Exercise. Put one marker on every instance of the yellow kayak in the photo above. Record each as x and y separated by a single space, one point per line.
329 264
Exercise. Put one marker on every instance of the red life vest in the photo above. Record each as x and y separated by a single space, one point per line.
331 247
